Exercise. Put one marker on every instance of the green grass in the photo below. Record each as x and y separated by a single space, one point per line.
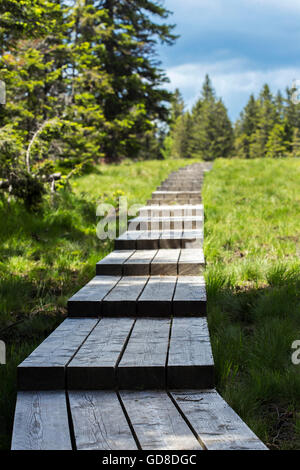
252 247
47 256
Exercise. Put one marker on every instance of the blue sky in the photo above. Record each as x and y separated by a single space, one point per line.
241 44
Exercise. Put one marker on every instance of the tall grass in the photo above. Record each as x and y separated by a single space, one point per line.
252 246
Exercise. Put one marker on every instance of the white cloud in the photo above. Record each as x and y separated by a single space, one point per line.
234 80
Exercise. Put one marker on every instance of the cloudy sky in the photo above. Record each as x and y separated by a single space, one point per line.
241 44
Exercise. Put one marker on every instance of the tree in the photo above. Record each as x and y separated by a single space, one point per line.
276 145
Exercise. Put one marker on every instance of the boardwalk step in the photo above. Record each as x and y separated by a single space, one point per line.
124 353
154 262
141 295
166 223
171 211
155 239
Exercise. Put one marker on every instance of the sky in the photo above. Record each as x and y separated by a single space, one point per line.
241 44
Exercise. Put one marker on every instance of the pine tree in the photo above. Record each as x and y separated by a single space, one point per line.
276 145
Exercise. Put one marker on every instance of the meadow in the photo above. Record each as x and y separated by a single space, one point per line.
252 247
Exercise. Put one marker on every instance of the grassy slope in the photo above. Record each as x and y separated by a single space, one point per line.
46 257
252 247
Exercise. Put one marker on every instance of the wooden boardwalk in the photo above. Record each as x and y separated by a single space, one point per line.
132 366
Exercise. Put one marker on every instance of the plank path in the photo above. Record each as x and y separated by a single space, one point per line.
132 365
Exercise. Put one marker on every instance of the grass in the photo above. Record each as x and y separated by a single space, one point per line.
252 247
47 256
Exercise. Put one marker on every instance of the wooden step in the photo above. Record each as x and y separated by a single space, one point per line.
166 223
113 263
139 263
217 426
190 360
41 421
122 300
175 194
175 201
190 296
149 240
171 211
45 368
156 298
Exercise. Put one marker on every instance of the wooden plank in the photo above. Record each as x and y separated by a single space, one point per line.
192 239
169 223
165 262
99 422
44 369
190 296
156 299
41 421
169 210
148 240
191 262
190 360
122 300
112 264
127 241
94 365
156 421
170 239
87 301
143 364
139 263
216 424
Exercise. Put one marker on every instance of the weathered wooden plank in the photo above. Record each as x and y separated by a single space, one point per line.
168 223
44 368
87 301
190 361
168 194
148 240
170 239
143 365
156 299
216 424
156 421
122 300
127 241
99 422
191 262
171 211
192 239
112 264
139 263
165 262
190 296
94 365
41 421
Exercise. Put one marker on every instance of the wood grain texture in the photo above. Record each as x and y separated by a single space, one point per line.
139 263
148 240
165 262
216 424
190 296
122 300
44 368
156 421
112 264
171 211
190 360
41 421
191 262
94 365
156 299
87 301
99 422
144 360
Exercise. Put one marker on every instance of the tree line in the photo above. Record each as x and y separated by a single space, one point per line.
268 126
